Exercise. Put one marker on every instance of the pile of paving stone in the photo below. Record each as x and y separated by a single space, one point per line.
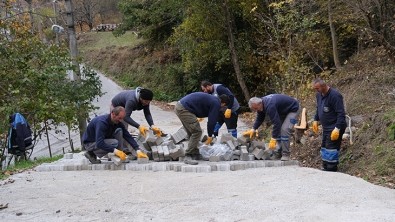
227 148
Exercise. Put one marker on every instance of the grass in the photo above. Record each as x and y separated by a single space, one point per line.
26 164
101 40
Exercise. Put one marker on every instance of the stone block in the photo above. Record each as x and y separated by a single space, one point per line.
225 137
150 137
159 140
203 169
188 169
237 152
166 153
170 144
176 153
223 167
235 157
137 167
180 135
251 164
142 160
251 157
258 153
161 154
146 146
231 145
237 166
258 144
159 167
214 158
244 153
155 154
227 156
242 140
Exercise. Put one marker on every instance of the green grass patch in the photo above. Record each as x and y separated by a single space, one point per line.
385 160
101 40
27 164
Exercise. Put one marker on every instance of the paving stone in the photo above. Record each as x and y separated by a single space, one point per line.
180 135
235 157
214 158
159 140
161 154
146 146
155 154
177 152
203 169
244 153
170 144
138 167
227 156
251 157
142 160
237 152
178 167
150 137
258 153
159 167
188 169
213 166
251 164
225 137
258 144
166 153
223 167
237 166
243 140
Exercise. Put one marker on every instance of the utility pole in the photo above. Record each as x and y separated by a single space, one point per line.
74 54
56 21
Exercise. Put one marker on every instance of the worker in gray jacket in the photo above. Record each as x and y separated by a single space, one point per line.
138 99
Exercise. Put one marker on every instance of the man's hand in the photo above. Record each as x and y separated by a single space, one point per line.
228 113
251 133
120 154
315 127
140 154
208 141
272 144
143 130
335 134
156 130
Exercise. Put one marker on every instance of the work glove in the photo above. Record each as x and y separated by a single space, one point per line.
200 119
272 144
120 154
315 127
156 130
140 154
251 133
335 134
228 113
143 130
209 140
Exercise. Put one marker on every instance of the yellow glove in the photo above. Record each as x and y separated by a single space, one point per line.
335 134
208 141
156 130
140 154
143 130
200 119
272 144
315 127
120 154
251 133
228 113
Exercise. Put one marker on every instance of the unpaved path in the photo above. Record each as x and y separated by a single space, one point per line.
261 194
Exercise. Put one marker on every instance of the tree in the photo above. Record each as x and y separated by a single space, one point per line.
86 11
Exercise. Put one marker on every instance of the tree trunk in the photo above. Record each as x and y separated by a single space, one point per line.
334 37
49 144
235 59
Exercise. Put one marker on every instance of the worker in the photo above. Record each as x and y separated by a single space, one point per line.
138 99
105 134
229 115
331 114
283 112
198 105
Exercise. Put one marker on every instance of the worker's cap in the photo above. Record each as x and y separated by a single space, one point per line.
146 94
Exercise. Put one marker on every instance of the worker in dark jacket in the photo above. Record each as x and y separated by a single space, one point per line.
20 135
229 115
283 112
198 105
105 134
330 112
138 99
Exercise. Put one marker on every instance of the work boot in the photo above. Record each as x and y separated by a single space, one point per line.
285 157
92 157
276 156
188 160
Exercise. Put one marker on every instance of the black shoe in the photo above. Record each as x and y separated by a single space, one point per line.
92 157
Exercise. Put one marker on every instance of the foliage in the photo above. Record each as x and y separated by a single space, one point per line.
35 80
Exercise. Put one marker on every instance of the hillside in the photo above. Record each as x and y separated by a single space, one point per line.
366 82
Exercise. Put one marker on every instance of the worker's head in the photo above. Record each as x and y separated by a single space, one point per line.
146 96
207 86
224 100
255 104
117 114
320 86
